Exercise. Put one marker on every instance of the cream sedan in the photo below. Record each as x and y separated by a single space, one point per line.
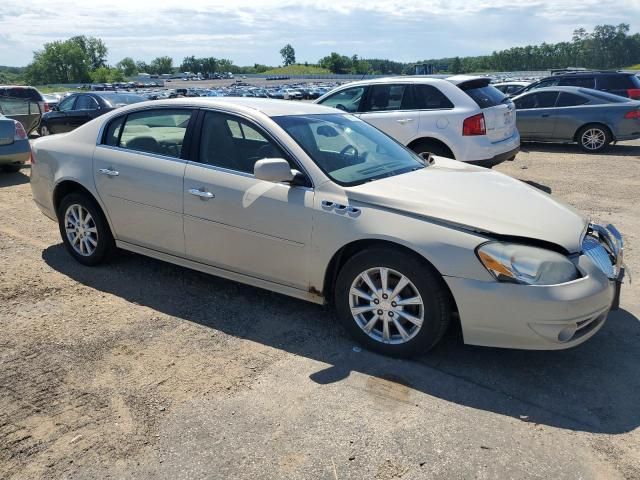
312 202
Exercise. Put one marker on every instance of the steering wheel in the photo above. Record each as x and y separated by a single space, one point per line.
344 151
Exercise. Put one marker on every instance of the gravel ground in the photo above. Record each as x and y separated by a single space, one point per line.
140 369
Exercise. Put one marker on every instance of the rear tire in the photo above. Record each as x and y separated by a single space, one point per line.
395 320
84 229
594 138
44 131
435 148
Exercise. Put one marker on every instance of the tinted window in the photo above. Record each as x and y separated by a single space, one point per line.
385 97
67 103
232 143
485 96
549 82
85 102
348 149
607 97
616 82
429 97
18 92
571 100
155 131
584 82
537 100
347 100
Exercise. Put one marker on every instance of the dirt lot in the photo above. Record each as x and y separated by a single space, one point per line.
140 369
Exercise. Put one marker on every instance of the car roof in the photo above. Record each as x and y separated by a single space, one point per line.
576 90
268 106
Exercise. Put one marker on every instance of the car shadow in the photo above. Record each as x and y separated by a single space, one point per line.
592 388
9 179
537 185
620 149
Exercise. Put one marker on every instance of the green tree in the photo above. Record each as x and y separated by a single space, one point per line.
142 66
288 55
58 62
336 63
161 65
94 49
127 66
456 65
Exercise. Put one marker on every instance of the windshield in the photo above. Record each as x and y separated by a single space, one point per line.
347 149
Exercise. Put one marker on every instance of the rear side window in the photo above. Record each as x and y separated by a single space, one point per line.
617 82
348 99
428 97
85 102
385 97
23 93
67 104
584 82
571 100
152 131
485 96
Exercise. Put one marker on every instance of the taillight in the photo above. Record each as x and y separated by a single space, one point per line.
632 114
20 134
633 93
47 108
474 125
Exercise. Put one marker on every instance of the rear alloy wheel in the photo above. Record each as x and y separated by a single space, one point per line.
594 138
44 131
392 303
84 230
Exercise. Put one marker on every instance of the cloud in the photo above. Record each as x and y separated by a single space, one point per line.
253 31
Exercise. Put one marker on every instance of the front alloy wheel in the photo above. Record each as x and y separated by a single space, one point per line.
392 302
386 305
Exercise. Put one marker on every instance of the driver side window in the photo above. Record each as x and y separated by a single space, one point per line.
347 100
233 143
67 104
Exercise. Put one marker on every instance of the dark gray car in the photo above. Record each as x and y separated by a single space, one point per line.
589 117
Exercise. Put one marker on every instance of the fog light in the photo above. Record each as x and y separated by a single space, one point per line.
567 333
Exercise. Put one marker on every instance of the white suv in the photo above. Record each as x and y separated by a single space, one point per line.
458 117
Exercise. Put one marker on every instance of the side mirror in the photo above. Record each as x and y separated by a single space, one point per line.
273 170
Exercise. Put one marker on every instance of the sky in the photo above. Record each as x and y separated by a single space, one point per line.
254 31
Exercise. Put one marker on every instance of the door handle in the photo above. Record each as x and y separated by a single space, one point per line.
402 121
201 193
109 172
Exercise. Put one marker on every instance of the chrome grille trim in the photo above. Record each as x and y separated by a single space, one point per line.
604 246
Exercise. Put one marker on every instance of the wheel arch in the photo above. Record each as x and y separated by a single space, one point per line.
432 140
347 251
67 186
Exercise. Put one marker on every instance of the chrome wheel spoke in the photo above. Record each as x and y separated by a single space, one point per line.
410 301
384 279
367 279
385 330
415 320
81 230
364 309
403 282
371 323
359 293
403 332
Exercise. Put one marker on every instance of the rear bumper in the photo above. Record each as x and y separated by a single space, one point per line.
16 153
496 160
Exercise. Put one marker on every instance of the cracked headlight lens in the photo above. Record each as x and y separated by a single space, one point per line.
511 262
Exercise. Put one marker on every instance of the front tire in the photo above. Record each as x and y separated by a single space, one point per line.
391 302
594 138
84 229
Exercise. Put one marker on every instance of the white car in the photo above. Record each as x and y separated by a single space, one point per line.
291 94
315 203
459 117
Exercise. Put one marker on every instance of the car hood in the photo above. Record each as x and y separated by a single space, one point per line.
477 198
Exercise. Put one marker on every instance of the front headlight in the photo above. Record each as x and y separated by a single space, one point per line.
510 262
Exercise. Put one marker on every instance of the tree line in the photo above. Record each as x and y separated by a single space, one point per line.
83 59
